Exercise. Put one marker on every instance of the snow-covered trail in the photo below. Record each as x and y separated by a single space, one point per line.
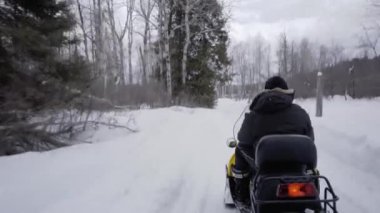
176 164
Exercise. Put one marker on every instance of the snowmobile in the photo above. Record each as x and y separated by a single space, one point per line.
286 178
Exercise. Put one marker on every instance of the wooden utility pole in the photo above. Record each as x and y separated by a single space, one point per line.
319 112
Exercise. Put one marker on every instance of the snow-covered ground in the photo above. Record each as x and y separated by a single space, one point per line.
175 163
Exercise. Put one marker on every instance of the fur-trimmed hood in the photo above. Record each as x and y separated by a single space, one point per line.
273 100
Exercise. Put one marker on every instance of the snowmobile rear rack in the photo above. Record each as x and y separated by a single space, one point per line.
329 200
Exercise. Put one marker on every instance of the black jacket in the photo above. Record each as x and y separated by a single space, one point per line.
272 112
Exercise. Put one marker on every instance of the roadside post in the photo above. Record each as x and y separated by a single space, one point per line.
319 98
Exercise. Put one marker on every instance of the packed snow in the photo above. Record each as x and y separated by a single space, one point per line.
176 162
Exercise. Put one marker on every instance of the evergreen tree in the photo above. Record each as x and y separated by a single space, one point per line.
41 70
207 55
206 59
35 61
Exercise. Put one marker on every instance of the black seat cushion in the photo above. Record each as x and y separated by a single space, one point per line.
286 150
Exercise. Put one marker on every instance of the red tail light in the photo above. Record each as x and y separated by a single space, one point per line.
296 190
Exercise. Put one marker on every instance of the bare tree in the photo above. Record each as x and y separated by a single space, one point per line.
307 60
164 31
83 28
337 52
98 25
99 44
145 11
252 61
259 43
370 39
160 29
130 30
268 60
119 32
115 56
323 57
294 58
249 63
188 4
92 35
241 63
242 66
282 54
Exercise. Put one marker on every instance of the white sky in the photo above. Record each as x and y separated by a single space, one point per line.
321 21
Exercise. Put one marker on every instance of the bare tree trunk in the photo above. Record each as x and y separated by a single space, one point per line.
285 55
259 58
268 60
83 30
100 61
143 66
121 55
98 35
131 6
115 56
146 11
168 34
187 42
144 60
164 22
92 36
167 58
98 47
161 37
292 59
130 43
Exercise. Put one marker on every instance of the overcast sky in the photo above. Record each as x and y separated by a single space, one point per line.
321 21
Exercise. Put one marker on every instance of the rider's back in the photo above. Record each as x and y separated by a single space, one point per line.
271 113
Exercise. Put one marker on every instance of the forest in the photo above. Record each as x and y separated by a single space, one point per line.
63 64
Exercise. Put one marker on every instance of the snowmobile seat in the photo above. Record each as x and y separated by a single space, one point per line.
283 156
284 151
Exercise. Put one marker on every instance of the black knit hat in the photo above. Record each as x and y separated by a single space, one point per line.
276 82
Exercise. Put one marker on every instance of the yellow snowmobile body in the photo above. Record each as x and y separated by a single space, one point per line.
230 164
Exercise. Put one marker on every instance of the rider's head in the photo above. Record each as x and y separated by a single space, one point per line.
279 84
276 82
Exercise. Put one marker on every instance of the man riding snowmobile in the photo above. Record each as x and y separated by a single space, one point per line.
271 112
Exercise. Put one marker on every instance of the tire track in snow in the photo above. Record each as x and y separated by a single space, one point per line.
362 158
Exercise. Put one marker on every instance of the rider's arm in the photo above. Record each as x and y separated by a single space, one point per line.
309 128
245 134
